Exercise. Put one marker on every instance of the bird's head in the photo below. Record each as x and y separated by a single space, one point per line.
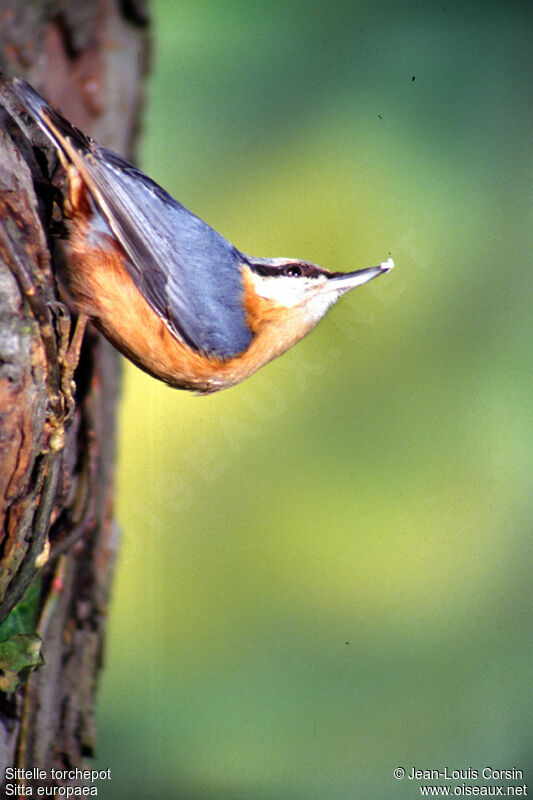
300 291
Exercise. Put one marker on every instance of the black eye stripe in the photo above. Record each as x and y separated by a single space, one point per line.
291 270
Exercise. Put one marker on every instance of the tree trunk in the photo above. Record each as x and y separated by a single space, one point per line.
57 535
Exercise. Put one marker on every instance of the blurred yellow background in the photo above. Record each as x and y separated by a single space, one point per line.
326 571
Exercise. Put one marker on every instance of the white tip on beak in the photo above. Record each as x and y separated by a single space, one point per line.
387 265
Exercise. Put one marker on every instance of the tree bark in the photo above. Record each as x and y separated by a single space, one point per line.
58 539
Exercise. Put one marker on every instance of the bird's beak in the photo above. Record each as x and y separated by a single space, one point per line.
344 281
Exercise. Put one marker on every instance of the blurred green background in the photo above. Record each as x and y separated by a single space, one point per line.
326 571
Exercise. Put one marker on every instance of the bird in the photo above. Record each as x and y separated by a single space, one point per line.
168 291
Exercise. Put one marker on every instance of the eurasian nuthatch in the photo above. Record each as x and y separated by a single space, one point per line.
166 289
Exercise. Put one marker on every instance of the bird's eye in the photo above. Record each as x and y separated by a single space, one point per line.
294 271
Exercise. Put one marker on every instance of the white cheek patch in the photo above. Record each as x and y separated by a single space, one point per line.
310 293
316 306
286 290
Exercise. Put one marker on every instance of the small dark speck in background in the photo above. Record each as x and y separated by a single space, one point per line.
412 79
379 115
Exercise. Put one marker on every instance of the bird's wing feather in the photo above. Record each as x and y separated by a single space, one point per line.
187 271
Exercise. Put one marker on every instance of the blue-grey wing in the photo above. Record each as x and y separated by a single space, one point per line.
187 271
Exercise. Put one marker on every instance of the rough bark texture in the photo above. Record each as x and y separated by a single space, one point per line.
56 468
